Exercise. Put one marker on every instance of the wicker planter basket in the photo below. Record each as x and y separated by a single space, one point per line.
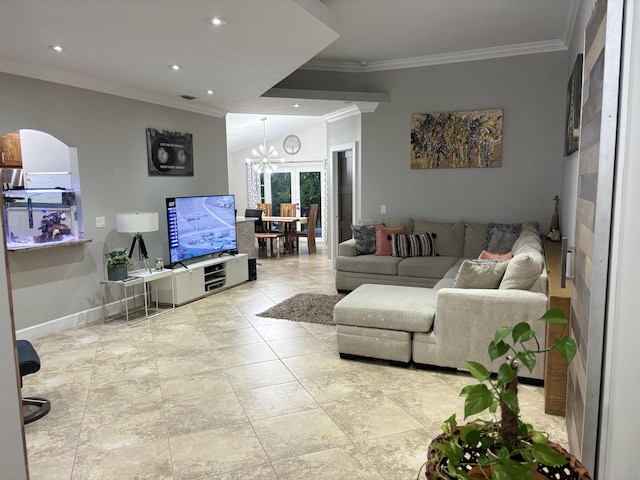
573 470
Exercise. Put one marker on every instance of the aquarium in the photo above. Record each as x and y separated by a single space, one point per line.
38 217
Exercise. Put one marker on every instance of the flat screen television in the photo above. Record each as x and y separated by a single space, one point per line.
201 226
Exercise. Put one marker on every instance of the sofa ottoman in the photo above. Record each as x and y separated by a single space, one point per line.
378 321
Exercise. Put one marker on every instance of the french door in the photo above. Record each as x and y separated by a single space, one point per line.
303 185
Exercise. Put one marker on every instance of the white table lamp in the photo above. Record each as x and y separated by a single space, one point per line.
138 222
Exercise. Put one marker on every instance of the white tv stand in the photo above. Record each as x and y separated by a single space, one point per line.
204 278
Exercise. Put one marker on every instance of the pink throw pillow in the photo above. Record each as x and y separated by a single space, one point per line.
494 256
383 242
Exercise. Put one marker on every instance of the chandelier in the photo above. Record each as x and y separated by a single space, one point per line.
262 160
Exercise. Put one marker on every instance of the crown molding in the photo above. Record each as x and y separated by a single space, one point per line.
440 59
87 83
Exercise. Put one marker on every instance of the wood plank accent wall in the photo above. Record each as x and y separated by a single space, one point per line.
555 368
603 40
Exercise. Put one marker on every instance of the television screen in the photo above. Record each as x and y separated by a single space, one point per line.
199 226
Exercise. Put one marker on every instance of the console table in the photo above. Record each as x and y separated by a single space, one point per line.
152 278
122 285
555 368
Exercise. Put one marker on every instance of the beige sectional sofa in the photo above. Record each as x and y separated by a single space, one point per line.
414 309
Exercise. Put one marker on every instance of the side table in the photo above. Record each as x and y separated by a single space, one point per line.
152 277
122 285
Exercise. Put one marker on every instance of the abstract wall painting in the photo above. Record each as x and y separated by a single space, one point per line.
471 139
574 99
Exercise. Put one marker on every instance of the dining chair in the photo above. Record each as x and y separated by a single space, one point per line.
267 210
310 231
288 209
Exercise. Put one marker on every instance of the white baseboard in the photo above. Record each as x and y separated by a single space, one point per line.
70 321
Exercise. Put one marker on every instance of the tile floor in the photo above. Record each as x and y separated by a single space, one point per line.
212 391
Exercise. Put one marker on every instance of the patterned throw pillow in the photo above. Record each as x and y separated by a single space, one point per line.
365 237
420 245
383 238
501 236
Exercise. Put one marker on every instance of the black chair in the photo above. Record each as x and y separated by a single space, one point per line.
261 232
257 214
33 407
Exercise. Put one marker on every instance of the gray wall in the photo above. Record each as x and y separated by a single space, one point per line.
530 89
109 133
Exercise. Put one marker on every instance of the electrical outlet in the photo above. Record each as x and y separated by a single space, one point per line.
383 209
100 222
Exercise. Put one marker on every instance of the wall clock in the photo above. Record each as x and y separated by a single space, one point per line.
291 144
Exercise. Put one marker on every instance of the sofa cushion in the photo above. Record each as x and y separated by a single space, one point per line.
527 239
426 267
523 271
420 245
369 264
365 237
383 239
480 274
474 234
449 236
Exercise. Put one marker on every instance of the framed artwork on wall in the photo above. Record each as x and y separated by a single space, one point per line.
574 98
169 153
471 139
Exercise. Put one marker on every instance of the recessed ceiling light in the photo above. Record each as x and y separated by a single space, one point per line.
217 21
175 67
57 48
210 92
296 105
188 97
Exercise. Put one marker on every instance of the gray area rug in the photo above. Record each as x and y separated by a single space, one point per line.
305 307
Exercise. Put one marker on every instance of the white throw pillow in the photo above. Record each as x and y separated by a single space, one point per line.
480 274
523 271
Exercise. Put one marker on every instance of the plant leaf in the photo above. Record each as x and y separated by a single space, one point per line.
449 424
500 475
522 332
528 359
477 370
497 349
537 437
470 434
566 347
501 334
546 455
506 374
479 398
555 315
517 470
510 398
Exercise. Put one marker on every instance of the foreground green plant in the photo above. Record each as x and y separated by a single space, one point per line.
506 447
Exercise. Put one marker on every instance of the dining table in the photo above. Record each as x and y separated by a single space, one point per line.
289 225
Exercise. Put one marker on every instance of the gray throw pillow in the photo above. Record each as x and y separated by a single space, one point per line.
365 237
513 228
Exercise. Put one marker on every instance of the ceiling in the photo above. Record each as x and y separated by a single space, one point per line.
126 47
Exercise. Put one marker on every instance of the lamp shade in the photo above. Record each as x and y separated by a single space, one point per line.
136 222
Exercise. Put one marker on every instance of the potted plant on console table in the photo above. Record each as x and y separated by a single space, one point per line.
505 448
117 264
